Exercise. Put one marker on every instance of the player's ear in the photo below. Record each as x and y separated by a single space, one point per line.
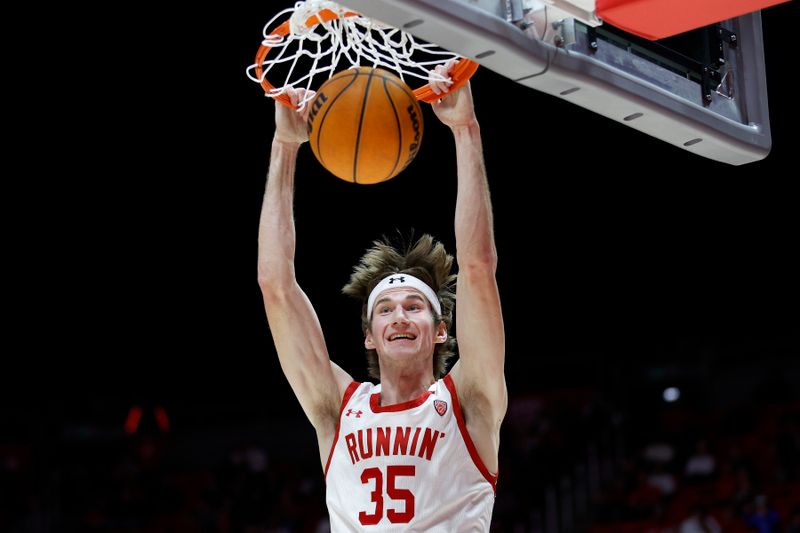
369 344
441 332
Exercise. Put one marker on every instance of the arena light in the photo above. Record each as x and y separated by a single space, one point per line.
671 394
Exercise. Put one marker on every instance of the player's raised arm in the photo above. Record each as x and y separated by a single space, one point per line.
479 321
317 382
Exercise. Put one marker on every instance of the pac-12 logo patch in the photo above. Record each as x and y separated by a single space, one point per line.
440 406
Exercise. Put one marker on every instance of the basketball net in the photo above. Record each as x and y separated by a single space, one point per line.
331 38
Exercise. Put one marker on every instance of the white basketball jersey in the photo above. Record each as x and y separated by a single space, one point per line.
406 467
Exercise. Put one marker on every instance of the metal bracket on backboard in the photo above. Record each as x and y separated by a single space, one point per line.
624 82
591 37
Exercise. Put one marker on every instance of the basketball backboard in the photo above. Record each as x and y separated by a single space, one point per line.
703 90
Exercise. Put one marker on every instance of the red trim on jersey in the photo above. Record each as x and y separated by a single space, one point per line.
375 403
348 393
473 452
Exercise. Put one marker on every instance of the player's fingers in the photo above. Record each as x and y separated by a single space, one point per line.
437 84
448 67
305 96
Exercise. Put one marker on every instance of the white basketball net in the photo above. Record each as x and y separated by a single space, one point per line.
348 40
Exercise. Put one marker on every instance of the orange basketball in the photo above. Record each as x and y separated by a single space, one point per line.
365 125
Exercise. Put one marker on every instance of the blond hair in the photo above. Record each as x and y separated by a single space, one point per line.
425 259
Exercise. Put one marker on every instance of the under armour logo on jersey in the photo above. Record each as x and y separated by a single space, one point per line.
440 406
356 413
401 279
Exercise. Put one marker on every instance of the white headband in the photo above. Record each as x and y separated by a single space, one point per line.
396 281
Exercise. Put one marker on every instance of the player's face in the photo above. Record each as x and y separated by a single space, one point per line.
402 325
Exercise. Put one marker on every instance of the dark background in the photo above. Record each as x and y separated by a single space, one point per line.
610 242
626 264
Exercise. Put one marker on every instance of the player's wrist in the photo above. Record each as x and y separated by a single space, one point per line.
287 142
467 128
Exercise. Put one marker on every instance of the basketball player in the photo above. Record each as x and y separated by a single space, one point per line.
419 451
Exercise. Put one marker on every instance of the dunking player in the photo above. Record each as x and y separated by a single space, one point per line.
419 451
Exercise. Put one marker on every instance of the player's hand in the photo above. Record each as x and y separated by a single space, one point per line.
454 109
291 124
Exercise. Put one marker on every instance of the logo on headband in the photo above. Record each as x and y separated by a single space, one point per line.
399 280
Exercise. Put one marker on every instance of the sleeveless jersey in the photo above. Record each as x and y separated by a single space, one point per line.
406 467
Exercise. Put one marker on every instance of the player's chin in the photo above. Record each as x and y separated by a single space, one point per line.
403 347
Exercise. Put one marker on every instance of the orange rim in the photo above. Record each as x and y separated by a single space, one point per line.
461 73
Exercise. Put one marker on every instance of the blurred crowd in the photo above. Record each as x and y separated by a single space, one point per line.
571 460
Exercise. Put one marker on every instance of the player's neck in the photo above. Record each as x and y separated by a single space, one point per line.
402 385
